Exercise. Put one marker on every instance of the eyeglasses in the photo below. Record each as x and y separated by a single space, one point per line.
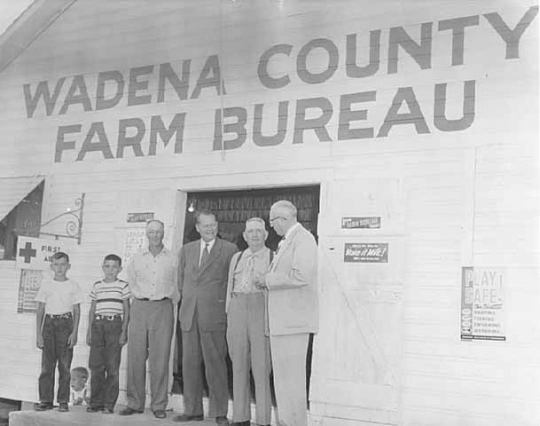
271 220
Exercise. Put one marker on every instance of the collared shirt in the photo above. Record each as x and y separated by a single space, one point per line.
59 296
244 274
153 277
203 246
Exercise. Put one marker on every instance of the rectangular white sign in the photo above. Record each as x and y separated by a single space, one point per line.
36 253
482 307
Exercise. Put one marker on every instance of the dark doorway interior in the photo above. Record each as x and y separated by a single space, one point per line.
232 209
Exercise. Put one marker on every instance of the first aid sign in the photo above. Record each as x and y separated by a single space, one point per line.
36 253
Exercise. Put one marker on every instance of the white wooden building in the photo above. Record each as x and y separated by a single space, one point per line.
416 122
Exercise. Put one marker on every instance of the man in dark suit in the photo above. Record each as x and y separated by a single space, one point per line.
202 280
293 311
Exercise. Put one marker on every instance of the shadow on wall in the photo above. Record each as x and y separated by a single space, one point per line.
6 406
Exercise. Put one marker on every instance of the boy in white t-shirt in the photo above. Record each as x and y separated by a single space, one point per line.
57 324
107 333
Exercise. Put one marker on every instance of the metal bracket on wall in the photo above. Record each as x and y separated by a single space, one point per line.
73 225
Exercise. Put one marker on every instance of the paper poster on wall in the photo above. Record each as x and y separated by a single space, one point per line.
482 303
366 252
134 240
28 288
36 253
360 222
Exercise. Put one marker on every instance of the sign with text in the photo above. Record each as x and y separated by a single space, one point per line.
88 130
482 307
28 288
139 217
366 252
36 253
360 222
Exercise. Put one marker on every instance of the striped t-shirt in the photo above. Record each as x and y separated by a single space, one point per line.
110 297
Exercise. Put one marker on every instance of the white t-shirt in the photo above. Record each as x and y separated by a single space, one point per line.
59 296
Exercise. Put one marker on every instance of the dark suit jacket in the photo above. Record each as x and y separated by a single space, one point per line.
204 289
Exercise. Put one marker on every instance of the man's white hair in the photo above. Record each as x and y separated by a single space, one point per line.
285 205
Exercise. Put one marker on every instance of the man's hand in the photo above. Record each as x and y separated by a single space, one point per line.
72 340
89 338
259 281
39 341
123 339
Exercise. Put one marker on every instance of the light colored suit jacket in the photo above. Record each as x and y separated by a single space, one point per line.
293 302
204 289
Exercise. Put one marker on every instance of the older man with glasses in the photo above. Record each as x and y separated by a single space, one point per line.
292 311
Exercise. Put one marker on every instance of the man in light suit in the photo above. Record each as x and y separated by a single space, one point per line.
202 280
292 311
249 347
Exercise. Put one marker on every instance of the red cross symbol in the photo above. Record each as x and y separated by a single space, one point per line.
28 252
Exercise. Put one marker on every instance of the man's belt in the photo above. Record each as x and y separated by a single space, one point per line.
56 316
146 299
107 317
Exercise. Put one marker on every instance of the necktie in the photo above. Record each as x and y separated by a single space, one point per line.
205 255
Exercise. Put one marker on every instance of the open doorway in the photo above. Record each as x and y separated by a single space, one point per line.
232 209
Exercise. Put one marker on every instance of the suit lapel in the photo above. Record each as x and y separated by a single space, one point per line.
193 255
285 245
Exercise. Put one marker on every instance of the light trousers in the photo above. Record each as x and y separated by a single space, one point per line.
289 365
149 337
249 349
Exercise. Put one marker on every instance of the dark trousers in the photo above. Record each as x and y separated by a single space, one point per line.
56 332
104 362
210 347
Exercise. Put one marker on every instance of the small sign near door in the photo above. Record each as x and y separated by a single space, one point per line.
366 252
139 217
360 222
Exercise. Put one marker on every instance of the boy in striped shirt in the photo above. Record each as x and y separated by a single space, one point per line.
107 333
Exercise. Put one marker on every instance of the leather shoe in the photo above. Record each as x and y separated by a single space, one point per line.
185 418
43 406
244 423
128 411
160 414
222 421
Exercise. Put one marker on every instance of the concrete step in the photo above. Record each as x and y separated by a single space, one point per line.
77 416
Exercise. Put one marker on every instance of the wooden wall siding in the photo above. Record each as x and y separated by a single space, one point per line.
467 197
